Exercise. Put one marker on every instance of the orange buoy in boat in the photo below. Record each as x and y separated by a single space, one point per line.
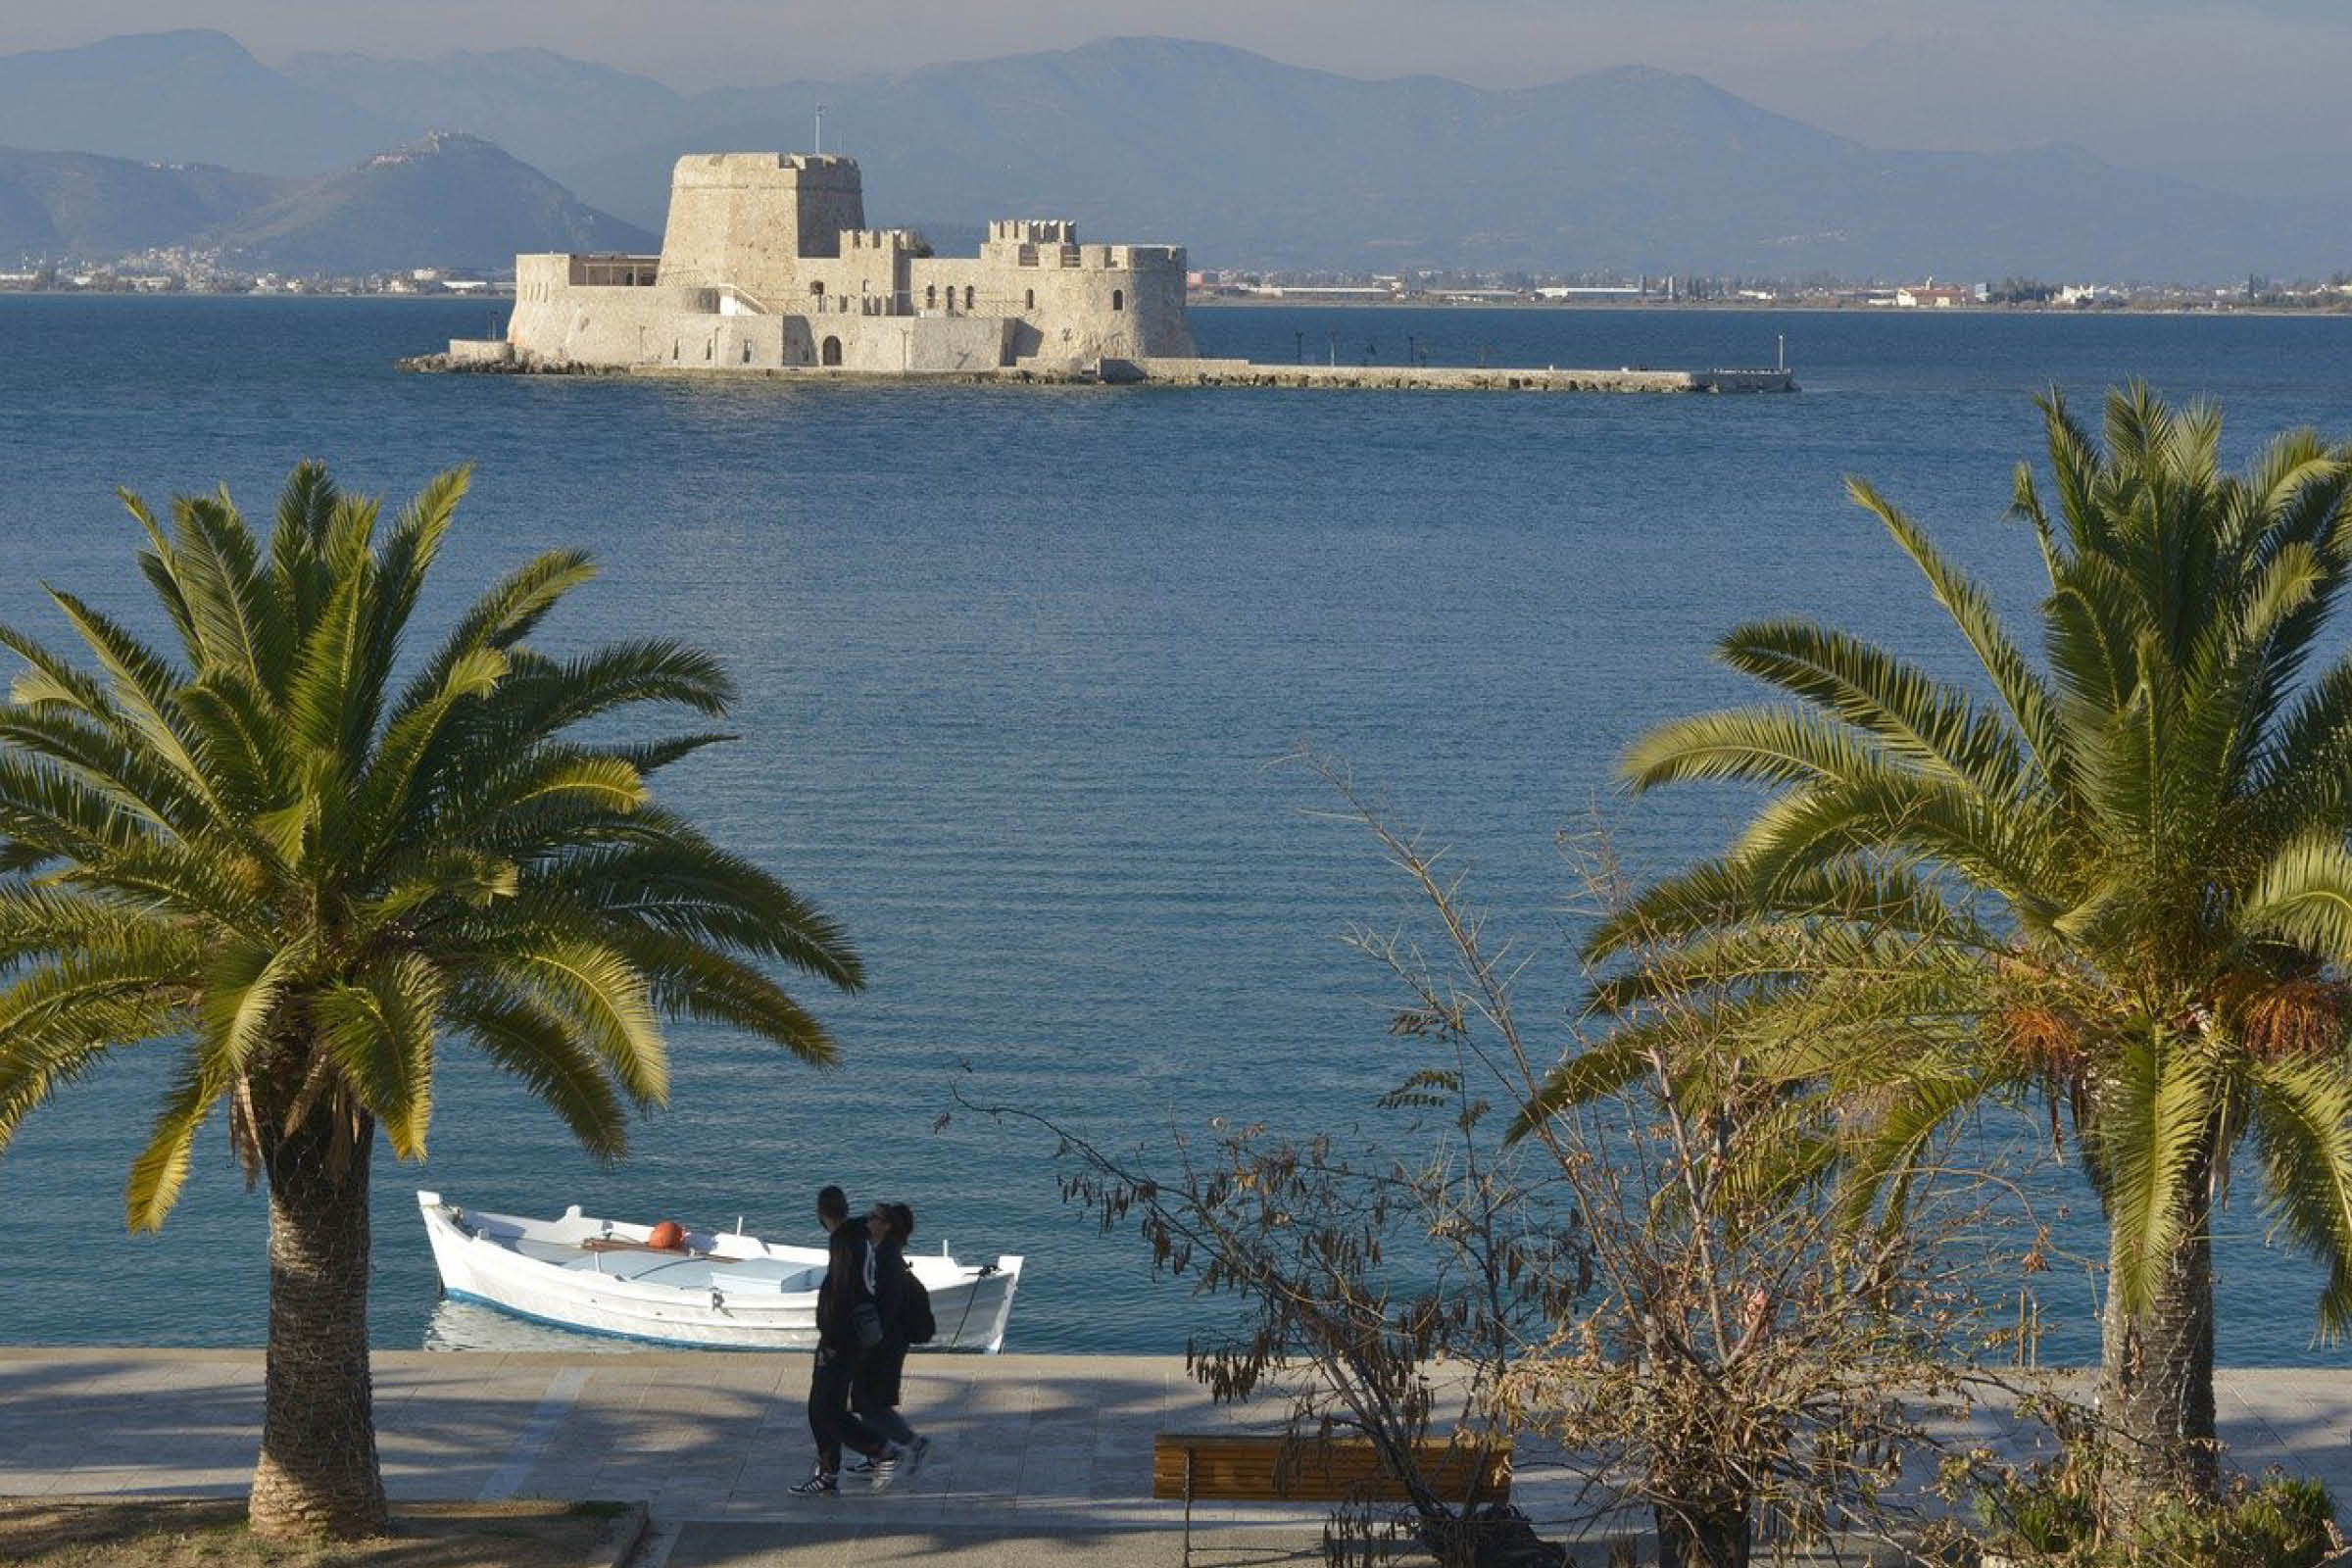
668 1237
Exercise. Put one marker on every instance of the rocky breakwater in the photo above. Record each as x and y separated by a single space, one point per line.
494 358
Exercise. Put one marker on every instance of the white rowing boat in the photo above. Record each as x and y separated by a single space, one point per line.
722 1290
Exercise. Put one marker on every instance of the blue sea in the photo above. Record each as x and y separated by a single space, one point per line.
1019 667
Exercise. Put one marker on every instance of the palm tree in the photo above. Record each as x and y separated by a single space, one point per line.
2114 884
307 882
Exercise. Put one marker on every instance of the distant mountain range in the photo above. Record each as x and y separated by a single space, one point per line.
445 200
1246 160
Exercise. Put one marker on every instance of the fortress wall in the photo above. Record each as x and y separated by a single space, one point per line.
1098 311
1160 325
875 345
604 325
474 351
958 343
541 276
870 277
728 343
893 345
1075 302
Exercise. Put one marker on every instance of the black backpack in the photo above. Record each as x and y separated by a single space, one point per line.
914 1306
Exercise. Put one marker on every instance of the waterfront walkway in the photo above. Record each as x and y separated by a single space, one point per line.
1036 1458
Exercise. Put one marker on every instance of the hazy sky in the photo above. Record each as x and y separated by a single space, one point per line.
2171 82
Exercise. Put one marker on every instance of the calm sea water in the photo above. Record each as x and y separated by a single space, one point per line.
1015 666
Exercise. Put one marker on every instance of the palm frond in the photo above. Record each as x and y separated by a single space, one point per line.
2158 1100
1770 745
1596 1072
380 1030
547 1054
2023 692
2302 1126
599 992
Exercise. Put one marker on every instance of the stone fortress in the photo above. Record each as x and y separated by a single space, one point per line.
766 264
767 268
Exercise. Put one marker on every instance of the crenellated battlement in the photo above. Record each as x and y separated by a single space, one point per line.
1074 256
883 239
1032 232
820 166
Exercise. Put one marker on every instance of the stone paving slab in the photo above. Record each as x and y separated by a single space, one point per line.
822 1545
1025 1447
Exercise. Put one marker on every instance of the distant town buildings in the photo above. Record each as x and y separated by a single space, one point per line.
200 271
1938 296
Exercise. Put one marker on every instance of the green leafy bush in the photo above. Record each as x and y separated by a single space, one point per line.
2048 1518
2282 1523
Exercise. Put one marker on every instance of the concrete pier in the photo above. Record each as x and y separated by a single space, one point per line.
1443 378
1036 1458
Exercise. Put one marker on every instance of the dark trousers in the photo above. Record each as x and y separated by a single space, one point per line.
874 1390
830 1419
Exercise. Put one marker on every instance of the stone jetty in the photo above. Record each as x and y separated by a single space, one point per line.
1165 373
1442 379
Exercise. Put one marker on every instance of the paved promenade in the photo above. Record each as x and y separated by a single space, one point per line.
1036 1458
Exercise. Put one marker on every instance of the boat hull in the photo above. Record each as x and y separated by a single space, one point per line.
730 1291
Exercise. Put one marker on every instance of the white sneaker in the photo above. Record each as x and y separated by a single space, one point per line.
908 1456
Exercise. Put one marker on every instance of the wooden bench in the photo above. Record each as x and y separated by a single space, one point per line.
1268 1467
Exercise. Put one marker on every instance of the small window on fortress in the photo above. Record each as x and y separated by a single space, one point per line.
930 296
968 296
818 288
1029 300
1118 299
747 351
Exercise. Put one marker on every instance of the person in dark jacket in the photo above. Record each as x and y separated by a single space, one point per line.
876 1395
844 1297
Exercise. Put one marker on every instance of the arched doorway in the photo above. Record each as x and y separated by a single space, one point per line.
832 350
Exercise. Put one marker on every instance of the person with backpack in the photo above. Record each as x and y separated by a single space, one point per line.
906 1320
849 1332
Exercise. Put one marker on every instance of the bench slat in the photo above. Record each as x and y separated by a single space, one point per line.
1248 1467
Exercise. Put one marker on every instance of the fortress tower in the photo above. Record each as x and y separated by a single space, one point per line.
749 218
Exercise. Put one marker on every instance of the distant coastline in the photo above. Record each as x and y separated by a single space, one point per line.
1368 302
1309 302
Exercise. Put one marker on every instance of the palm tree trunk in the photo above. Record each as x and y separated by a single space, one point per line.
2156 1381
318 1473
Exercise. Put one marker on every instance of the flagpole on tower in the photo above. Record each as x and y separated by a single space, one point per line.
821 128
